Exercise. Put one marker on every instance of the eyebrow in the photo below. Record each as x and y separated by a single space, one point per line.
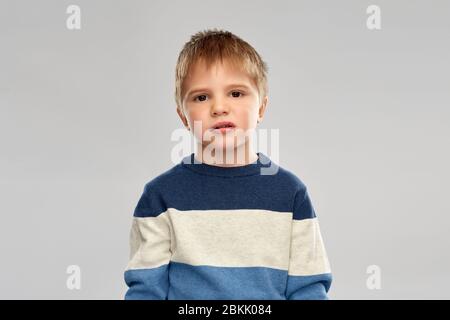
234 85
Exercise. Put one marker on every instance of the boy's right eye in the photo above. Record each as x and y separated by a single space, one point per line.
200 96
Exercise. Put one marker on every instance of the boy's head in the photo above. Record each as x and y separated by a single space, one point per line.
220 77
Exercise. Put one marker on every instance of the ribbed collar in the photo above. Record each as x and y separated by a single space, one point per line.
253 168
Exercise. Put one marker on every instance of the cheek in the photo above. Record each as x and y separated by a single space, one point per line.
198 118
248 117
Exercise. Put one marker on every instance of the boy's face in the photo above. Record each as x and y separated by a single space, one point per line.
222 93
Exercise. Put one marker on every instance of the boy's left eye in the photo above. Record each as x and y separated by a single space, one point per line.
239 94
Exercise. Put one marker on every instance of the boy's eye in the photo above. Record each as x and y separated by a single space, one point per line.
239 94
199 97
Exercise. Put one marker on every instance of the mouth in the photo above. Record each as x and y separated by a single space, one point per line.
223 126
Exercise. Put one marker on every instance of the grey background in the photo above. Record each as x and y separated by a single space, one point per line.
86 118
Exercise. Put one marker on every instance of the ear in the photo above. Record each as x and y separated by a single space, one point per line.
183 118
262 108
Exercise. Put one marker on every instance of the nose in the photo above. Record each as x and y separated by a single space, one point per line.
219 107
218 110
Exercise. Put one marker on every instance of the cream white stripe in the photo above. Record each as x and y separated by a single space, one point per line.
149 242
308 255
229 238
232 238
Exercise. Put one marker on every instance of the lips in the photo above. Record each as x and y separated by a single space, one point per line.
223 124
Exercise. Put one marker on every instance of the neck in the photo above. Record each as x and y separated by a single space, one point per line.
232 157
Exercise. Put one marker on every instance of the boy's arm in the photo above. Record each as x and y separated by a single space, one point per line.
147 273
309 274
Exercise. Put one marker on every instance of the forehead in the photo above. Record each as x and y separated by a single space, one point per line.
216 73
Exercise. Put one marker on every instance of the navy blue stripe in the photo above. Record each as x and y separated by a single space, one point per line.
185 189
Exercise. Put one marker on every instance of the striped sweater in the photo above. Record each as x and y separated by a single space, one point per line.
201 231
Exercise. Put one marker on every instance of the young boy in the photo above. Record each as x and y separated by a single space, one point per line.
218 229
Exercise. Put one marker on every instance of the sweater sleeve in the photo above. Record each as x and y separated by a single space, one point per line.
309 275
147 274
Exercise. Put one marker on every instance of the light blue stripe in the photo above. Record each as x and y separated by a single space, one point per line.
313 287
180 281
221 283
147 284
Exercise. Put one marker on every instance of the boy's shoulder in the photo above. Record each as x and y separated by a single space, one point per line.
164 179
288 178
291 178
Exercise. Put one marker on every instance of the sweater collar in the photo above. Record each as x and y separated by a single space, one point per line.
253 168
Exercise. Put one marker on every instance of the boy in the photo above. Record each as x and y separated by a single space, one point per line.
214 229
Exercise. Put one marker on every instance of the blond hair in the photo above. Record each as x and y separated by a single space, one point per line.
213 45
